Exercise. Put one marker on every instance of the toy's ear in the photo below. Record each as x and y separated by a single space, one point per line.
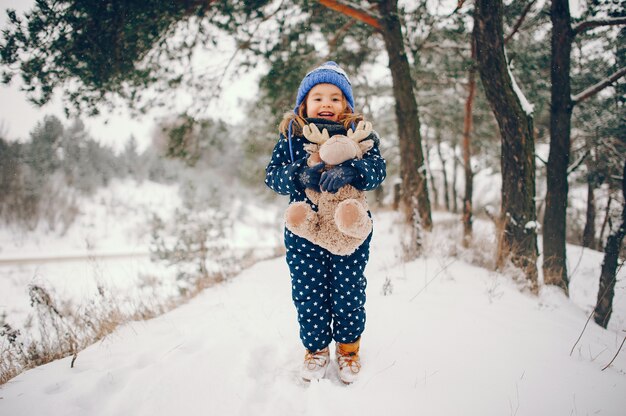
366 145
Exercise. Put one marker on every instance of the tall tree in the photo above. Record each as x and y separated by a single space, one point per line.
445 70
589 232
444 173
467 153
517 237
416 202
562 104
412 170
606 291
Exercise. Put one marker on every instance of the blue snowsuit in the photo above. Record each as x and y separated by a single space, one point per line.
328 290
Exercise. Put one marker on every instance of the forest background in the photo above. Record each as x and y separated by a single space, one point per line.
446 133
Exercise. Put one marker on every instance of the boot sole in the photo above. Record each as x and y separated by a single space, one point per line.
317 379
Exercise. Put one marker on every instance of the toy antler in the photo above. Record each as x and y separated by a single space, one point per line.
312 133
363 129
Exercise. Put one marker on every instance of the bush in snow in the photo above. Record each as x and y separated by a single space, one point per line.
195 240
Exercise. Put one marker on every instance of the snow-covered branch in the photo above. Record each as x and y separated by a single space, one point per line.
593 23
526 105
594 89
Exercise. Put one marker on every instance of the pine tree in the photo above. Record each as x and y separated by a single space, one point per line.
517 237
562 104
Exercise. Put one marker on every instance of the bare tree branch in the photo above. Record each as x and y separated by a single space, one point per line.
332 43
616 354
593 23
458 7
595 308
519 21
244 45
354 10
443 46
545 162
577 164
594 89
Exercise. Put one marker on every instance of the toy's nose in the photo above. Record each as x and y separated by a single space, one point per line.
337 150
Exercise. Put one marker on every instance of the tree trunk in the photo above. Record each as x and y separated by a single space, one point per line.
607 215
517 215
589 233
414 195
606 291
379 196
397 196
467 151
554 257
446 194
412 170
429 174
455 170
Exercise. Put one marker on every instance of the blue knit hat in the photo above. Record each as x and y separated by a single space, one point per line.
328 73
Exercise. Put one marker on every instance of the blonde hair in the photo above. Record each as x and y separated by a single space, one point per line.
347 118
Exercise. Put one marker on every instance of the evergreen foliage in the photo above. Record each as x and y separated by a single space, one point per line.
55 44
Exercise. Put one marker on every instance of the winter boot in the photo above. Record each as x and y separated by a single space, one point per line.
315 364
349 362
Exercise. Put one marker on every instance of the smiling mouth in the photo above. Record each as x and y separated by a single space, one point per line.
325 114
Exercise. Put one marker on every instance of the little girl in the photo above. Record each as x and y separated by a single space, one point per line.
328 290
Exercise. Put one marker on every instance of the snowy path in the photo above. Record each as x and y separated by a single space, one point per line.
451 339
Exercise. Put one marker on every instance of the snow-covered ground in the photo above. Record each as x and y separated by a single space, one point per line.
117 220
107 247
443 338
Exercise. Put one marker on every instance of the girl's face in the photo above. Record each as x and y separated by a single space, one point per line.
325 101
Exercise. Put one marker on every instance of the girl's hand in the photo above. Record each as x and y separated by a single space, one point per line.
310 177
335 178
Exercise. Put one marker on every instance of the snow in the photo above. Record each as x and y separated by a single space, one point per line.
115 219
443 337
532 225
108 247
526 105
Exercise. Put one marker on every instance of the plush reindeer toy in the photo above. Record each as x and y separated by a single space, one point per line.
341 222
